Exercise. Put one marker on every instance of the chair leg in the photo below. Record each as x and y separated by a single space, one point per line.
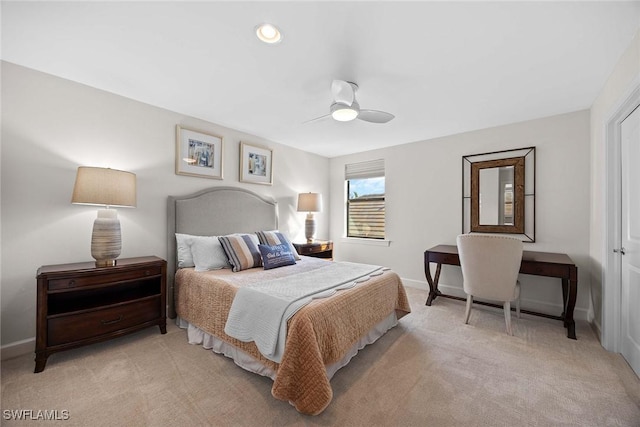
507 316
469 303
518 307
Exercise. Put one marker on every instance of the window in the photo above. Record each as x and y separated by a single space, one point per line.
365 199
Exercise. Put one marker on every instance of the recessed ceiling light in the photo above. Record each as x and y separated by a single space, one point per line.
268 33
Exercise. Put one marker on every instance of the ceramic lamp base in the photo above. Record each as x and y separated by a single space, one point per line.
310 228
106 239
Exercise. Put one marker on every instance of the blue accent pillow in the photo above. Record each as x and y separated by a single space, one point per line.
276 256
275 237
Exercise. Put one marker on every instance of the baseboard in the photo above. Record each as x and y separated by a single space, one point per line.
527 304
595 326
415 284
18 348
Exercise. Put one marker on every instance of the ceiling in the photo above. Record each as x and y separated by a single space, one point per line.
441 68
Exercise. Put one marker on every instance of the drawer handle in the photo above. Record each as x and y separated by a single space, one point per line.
111 322
147 273
71 283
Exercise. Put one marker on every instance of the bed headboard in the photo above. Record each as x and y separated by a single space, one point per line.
214 212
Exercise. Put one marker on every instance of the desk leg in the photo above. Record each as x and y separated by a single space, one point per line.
433 283
565 290
569 323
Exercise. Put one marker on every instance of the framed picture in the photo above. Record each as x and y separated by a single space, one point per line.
198 154
256 164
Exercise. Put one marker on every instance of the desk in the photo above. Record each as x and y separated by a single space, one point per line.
534 263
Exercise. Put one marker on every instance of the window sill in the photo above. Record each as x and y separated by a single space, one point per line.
361 241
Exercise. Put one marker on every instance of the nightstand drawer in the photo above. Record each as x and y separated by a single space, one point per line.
74 327
78 281
318 248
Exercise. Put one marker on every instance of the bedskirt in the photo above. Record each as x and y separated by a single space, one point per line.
197 336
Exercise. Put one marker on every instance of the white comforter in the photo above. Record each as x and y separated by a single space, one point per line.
260 311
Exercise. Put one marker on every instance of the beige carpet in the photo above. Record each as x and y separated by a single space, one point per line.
432 370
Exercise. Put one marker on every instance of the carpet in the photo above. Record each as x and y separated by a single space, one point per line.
431 370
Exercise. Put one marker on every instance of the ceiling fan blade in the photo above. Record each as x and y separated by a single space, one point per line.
375 116
317 118
342 92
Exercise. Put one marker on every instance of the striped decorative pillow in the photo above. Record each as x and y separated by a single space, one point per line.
275 237
242 250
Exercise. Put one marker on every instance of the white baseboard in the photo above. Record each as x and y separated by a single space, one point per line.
597 329
526 304
415 284
18 348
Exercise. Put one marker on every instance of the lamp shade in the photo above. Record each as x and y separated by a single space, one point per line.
309 202
104 187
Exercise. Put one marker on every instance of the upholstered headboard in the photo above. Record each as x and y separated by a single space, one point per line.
214 212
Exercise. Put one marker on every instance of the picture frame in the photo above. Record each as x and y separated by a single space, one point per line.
256 164
198 153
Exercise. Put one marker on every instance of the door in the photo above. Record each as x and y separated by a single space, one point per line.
630 250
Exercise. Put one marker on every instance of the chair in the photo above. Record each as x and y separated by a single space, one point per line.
490 266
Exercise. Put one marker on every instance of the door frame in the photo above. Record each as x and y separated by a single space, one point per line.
611 338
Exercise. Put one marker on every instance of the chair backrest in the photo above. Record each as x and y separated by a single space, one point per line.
490 265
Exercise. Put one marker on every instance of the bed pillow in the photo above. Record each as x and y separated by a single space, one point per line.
208 254
185 248
183 245
242 250
275 237
276 256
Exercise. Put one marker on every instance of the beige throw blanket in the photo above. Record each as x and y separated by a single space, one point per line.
318 334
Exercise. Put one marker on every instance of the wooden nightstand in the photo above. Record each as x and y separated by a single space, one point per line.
318 249
81 304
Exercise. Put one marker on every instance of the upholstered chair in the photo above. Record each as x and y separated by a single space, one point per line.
490 266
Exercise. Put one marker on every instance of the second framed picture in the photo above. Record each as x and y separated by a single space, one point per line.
256 164
198 153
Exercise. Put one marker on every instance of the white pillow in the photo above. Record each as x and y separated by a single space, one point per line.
208 254
185 259
202 252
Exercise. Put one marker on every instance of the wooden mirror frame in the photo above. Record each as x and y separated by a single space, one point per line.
518 200
523 161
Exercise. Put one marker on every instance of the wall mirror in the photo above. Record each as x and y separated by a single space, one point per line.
498 193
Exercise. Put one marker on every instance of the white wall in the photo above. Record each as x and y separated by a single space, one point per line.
424 202
624 77
50 126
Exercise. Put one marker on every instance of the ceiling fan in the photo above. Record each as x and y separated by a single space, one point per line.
345 107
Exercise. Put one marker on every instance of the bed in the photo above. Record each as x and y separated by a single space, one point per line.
323 334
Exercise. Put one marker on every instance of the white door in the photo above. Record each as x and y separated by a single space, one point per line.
630 251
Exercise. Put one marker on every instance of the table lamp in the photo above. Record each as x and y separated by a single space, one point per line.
310 203
108 188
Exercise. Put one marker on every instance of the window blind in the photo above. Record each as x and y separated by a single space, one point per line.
369 169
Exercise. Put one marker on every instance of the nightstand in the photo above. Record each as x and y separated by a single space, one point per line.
318 249
81 304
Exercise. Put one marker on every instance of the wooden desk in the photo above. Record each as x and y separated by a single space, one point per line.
534 263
